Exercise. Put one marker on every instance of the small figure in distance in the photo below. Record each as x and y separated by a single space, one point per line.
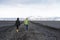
17 24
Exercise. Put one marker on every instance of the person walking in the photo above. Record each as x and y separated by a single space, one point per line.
26 23
17 24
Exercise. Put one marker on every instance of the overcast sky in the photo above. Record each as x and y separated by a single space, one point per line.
26 8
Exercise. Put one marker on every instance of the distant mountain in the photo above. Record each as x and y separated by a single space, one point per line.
31 18
10 19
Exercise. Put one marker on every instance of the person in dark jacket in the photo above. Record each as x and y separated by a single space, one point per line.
17 24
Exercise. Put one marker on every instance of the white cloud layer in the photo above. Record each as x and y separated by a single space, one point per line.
15 9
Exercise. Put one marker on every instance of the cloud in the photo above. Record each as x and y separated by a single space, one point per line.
29 1
19 8
23 11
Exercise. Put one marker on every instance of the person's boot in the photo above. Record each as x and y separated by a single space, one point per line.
17 30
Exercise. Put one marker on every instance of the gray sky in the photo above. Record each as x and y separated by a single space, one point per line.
26 8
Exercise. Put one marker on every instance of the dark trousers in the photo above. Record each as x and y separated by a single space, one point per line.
26 27
17 27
